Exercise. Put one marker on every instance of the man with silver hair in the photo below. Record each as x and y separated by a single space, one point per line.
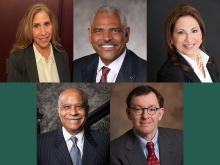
113 61
73 144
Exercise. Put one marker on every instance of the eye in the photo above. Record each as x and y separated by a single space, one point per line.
195 30
46 23
66 107
97 30
180 32
152 109
36 26
116 30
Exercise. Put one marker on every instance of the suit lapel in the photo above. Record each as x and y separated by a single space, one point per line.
58 60
126 73
31 65
89 73
61 149
166 151
134 153
89 149
190 76
213 72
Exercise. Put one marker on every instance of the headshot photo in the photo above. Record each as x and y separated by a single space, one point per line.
146 124
18 62
187 52
73 124
108 45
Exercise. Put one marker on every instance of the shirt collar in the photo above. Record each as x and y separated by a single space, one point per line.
191 62
39 57
67 135
143 141
115 65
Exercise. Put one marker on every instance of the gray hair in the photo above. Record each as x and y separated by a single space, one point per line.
110 10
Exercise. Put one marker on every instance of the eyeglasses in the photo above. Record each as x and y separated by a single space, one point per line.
77 107
139 111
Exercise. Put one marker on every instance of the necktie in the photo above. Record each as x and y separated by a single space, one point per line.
105 71
151 157
75 152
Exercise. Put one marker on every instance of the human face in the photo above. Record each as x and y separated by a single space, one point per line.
187 36
145 125
108 37
42 31
72 113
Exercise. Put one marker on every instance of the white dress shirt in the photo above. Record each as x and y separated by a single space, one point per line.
69 143
47 69
195 67
114 67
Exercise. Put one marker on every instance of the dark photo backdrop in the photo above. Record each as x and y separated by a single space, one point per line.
157 11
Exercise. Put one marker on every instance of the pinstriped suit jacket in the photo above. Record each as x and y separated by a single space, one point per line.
52 149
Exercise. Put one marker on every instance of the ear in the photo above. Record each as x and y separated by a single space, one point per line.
161 112
127 34
89 33
128 112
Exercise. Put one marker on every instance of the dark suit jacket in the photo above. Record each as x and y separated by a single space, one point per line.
170 72
52 149
133 69
126 150
22 66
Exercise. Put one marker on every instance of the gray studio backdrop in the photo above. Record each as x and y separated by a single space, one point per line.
134 10
48 93
157 11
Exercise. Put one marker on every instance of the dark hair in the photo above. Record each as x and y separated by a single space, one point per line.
175 14
144 90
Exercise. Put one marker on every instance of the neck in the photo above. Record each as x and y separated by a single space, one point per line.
45 52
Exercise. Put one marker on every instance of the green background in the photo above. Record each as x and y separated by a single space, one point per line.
18 124
201 124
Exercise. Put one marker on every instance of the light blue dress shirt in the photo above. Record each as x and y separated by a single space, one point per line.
143 143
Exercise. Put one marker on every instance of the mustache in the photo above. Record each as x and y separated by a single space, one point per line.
110 42
72 117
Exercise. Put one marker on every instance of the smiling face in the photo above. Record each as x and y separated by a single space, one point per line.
108 36
145 125
71 110
187 36
42 31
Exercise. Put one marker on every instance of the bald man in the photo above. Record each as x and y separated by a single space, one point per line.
72 144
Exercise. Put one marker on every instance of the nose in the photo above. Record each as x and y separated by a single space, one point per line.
43 30
107 36
188 37
144 114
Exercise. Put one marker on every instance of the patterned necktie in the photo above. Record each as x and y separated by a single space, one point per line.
75 152
105 71
151 157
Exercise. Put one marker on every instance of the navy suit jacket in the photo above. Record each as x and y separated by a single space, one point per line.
52 149
126 149
22 66
170 72
133 69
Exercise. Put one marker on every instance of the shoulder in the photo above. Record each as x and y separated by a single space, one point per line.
170 72
99 137
135 58
86 59
170 132
48 136
121 141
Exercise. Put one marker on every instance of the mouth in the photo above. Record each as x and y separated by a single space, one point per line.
189 46
73 117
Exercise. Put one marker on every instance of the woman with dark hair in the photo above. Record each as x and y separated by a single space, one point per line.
187 59
37 55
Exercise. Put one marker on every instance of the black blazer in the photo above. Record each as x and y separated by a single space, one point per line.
22 66
126 149
133 69
52 149
170 72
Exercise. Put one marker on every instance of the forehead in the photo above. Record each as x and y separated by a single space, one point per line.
72 97
104 18
41 16
186 22
145 100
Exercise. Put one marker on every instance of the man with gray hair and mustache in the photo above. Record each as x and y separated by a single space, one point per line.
113 61
72 144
